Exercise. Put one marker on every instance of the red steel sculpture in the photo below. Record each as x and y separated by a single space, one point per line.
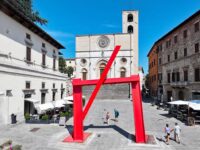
78 134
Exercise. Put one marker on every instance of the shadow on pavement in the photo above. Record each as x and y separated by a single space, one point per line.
116 128
167 115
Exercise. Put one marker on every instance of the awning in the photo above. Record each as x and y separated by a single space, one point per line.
59 103
68 102
70 98
42 108
194 106
32 100
179 102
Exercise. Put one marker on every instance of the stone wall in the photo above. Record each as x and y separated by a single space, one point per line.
114 91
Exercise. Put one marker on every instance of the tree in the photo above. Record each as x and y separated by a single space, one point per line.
147 81
62 65
25 7
69 71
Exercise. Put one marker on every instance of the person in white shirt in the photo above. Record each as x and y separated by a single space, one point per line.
177 132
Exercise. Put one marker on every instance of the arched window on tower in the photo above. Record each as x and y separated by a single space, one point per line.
84 74
122 72
101 68
130 29
130 18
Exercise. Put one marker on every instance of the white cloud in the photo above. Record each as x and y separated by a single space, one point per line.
60 34
110 26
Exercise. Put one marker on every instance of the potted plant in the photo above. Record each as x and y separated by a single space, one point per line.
45 119
27 117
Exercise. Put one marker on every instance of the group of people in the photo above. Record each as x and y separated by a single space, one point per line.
107 118
176 130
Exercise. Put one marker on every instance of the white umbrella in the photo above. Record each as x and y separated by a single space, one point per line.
59 103
68 102
194 106
179 102
70 98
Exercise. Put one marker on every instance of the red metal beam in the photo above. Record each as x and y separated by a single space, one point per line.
101 81
133 78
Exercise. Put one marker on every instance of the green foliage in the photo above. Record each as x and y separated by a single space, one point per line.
45 117
147 81
69 71
27 116
62 65
64 114
25 7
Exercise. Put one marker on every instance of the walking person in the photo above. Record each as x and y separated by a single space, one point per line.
104 116
116 113
177 132
107 117
167 131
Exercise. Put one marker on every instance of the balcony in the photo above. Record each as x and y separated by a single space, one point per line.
180 84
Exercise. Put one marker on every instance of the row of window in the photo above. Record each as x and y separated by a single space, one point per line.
175 76
196 48
175 39
28 54
152 64
43 94
101 69
28 85
83 61
152 78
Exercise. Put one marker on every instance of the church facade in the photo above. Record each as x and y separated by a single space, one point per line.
94 51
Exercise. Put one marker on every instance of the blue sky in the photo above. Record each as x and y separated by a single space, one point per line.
68 18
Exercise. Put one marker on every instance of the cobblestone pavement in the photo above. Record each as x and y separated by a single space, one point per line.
115 136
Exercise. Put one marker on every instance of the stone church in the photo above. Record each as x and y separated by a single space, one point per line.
94 51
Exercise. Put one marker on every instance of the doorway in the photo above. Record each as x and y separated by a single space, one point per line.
169 95
181 95
27 104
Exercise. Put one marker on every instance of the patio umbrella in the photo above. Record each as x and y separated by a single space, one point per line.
70 98
59 103
179 102
68 102
194 106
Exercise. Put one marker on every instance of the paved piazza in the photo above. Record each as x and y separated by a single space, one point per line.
116 136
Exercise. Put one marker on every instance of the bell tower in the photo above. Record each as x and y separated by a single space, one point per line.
130 26
130 21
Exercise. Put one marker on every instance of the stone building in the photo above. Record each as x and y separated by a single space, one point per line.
153 71
29 74
94 51
178 61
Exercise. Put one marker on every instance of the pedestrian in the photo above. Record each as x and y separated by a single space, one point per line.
171 98
104 116
167 132
107 117
116 113
177 132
